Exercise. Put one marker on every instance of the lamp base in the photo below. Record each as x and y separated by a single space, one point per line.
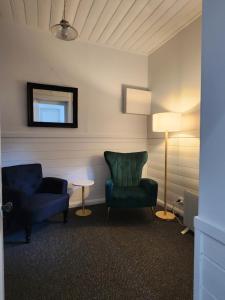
83 212
165 215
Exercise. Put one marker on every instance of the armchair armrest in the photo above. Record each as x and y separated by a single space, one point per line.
53 185
108 190
15 196
151 186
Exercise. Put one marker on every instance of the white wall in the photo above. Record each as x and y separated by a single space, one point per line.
98 73
174 78
210 224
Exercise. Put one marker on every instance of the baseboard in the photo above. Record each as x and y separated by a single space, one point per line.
88 202
176 209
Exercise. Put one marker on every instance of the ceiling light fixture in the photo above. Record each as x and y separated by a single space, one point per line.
64 31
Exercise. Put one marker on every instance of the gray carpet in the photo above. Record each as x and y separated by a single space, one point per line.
128 257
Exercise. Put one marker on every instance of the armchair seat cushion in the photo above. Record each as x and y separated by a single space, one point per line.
41 206
129 197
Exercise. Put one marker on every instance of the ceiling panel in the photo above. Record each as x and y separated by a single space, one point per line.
135 10
71 9
116 19
173 26
169 14
56 11
18 11
144 16
104 19
44 13
157 16
95 13
6 11
82 14
138 26
31 12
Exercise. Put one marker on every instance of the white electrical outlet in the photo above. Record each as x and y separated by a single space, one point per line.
180 200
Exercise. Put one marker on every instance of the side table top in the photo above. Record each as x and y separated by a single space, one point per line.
83 182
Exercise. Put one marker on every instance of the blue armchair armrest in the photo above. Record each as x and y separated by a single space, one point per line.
53 185
151 186
18 199
108 190
15 196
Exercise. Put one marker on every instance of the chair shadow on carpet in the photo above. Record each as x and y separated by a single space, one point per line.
16 235
127 217
117 217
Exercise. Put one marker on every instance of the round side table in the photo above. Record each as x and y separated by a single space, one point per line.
83 212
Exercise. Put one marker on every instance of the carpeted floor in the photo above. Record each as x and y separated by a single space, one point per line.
128 257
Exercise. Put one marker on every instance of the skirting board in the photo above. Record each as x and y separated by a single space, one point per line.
102 200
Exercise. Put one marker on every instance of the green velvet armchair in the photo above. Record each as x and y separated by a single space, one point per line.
126 188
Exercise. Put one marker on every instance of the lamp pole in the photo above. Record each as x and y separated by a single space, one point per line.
165 214
165 173
166 122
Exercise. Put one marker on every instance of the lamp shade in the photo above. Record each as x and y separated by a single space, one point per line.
166 122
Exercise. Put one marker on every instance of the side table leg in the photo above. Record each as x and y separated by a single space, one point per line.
83 208
83 212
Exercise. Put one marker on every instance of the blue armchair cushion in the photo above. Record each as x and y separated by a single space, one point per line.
53 185
39 207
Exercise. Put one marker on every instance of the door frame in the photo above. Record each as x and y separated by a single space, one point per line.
2 290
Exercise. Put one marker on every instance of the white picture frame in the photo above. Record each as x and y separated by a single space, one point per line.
137 101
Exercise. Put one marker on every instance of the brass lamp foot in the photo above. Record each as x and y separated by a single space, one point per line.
83 212
165 215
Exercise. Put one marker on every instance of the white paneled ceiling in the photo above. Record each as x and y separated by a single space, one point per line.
139 26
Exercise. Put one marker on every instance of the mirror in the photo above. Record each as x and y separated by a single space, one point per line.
51 105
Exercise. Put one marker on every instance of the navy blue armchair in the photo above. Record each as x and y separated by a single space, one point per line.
34 198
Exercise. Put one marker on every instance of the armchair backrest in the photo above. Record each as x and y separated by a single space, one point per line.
126 168
25 178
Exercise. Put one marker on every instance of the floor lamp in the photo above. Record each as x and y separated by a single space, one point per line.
166 122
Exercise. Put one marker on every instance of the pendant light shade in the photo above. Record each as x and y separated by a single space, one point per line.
64 31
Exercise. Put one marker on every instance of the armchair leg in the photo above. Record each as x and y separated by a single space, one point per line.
28 230
65 216
108 211
153 211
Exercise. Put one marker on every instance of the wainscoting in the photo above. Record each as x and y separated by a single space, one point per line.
82 157
183 165
70 158
209 261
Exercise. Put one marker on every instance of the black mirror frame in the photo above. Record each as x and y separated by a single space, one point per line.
30 112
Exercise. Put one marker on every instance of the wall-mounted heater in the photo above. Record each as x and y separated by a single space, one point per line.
190 210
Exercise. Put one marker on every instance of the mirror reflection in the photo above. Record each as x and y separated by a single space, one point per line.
52 106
